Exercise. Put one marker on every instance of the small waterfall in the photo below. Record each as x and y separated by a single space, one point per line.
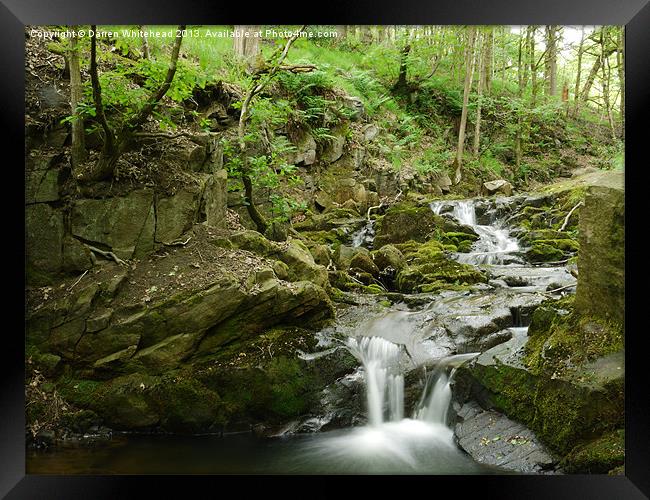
494 244
384 386
435 409
365 236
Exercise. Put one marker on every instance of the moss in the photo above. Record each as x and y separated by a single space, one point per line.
567 245
406 221
542 252
597 456
373 289
560 342
185 405
321 237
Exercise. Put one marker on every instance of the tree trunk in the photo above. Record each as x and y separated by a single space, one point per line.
520 92
606 75
401 85
620 57
584 95
479 91
115 143
245 44
576 94
550 67
487 55
78 149
469 69
145 45
533 64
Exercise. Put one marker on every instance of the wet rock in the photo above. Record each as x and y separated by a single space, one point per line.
493 439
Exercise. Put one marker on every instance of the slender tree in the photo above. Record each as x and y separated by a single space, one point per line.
78 149
261 78
550 66
469 69
620 60
484 37
116 142
576 93
606 76
245 44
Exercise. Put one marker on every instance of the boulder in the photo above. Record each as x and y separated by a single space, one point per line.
176 214
493 439
404 222
215 197
601 258
388 256
334 149
499 186
321 254
370 131
305 152
364 262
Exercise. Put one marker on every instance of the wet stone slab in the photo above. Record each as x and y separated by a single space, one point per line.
493 439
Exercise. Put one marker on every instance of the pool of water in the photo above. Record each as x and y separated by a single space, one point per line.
406 447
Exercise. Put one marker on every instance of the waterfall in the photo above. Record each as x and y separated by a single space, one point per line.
384 386
365 236
494 244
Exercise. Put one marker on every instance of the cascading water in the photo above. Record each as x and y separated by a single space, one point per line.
365 236
494 246
380 360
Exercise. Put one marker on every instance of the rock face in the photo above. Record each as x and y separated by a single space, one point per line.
147 356
130 226
601 259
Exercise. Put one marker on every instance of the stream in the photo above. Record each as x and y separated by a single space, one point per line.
375 420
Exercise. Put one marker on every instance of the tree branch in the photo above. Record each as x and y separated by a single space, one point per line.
140 118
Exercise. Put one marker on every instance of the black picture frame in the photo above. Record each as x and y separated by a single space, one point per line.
15 14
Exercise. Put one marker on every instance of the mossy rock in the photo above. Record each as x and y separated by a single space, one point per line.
543 252
342 281
566 245
597 456
457 239
321 254
322 237
404 222
364 262
389 256
438 272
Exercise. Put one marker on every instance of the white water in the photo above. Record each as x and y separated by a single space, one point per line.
494 244
365 235
385 385
390 443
